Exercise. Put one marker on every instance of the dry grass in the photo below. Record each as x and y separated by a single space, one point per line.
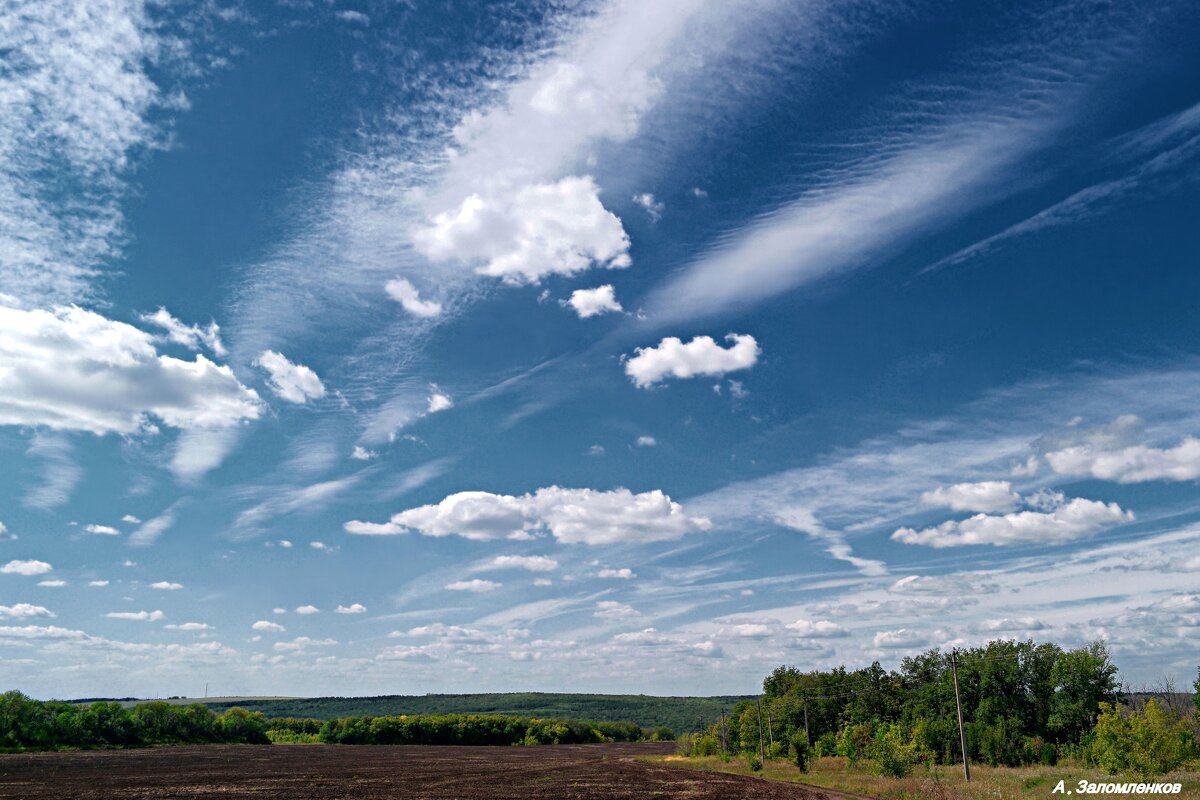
935 783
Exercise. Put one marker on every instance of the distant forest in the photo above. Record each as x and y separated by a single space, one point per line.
680 714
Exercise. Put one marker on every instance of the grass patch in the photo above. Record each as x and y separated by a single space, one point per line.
928 783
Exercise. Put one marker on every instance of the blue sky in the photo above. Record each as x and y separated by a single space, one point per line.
357 348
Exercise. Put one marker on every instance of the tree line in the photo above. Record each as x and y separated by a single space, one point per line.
28 724
1022 703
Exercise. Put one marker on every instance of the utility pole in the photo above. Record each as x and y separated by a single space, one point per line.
770 728
962 734
807 737
206 691
762 756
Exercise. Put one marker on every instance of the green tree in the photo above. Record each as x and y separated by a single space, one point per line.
1149 743
1083 679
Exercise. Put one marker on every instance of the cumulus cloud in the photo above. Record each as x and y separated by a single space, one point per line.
816 629
308 609
623 573
541 229
294 383
190 336
267 625
353 608
985 496
701 356
652 207
474 585
301 642
646 441
30 567
1106 453
611 609
593 302
5 534
24 610
361 453
900 638
101 530
404 293
188 626
153 528
136 616
1069 521
50 584
960 585
73 369
531 563
166 585
98 584
572 516
131 519
438 402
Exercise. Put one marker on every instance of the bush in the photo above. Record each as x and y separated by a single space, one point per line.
893 753
661 734
754 761
801 752
1147 744
826 744
854 742
776 750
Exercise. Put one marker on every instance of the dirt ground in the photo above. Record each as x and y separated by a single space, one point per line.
333 772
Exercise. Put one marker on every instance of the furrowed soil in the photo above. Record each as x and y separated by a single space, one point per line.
377 772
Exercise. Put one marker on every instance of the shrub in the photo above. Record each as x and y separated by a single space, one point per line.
1147 743
801 752
826 744
661 734
893 753
854 741
754 761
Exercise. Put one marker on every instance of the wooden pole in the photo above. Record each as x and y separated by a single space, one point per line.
762 756
807 737
962 733
770 728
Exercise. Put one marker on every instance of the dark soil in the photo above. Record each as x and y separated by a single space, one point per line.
375 772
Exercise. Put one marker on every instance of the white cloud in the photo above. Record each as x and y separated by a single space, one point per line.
1106 454
624 573
611 609
356 17
52 584
5 534
24 610
101 530
73 369
190 336
404 293
294 383
652 207
646 441
542 229
353 608
1006 624
986 496
188 626
802 519
701 356
320 546
31 567
278 610
816 629
473 585
1071 520
166 585
595 451
131 519
752 630
136 616
438 402
152 528
531 563
76 110
267 625
308 609
98 583
900 638
572 516
285 544
361 453
959 585
593 302
301 642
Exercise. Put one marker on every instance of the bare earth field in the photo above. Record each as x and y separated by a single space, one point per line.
374 772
